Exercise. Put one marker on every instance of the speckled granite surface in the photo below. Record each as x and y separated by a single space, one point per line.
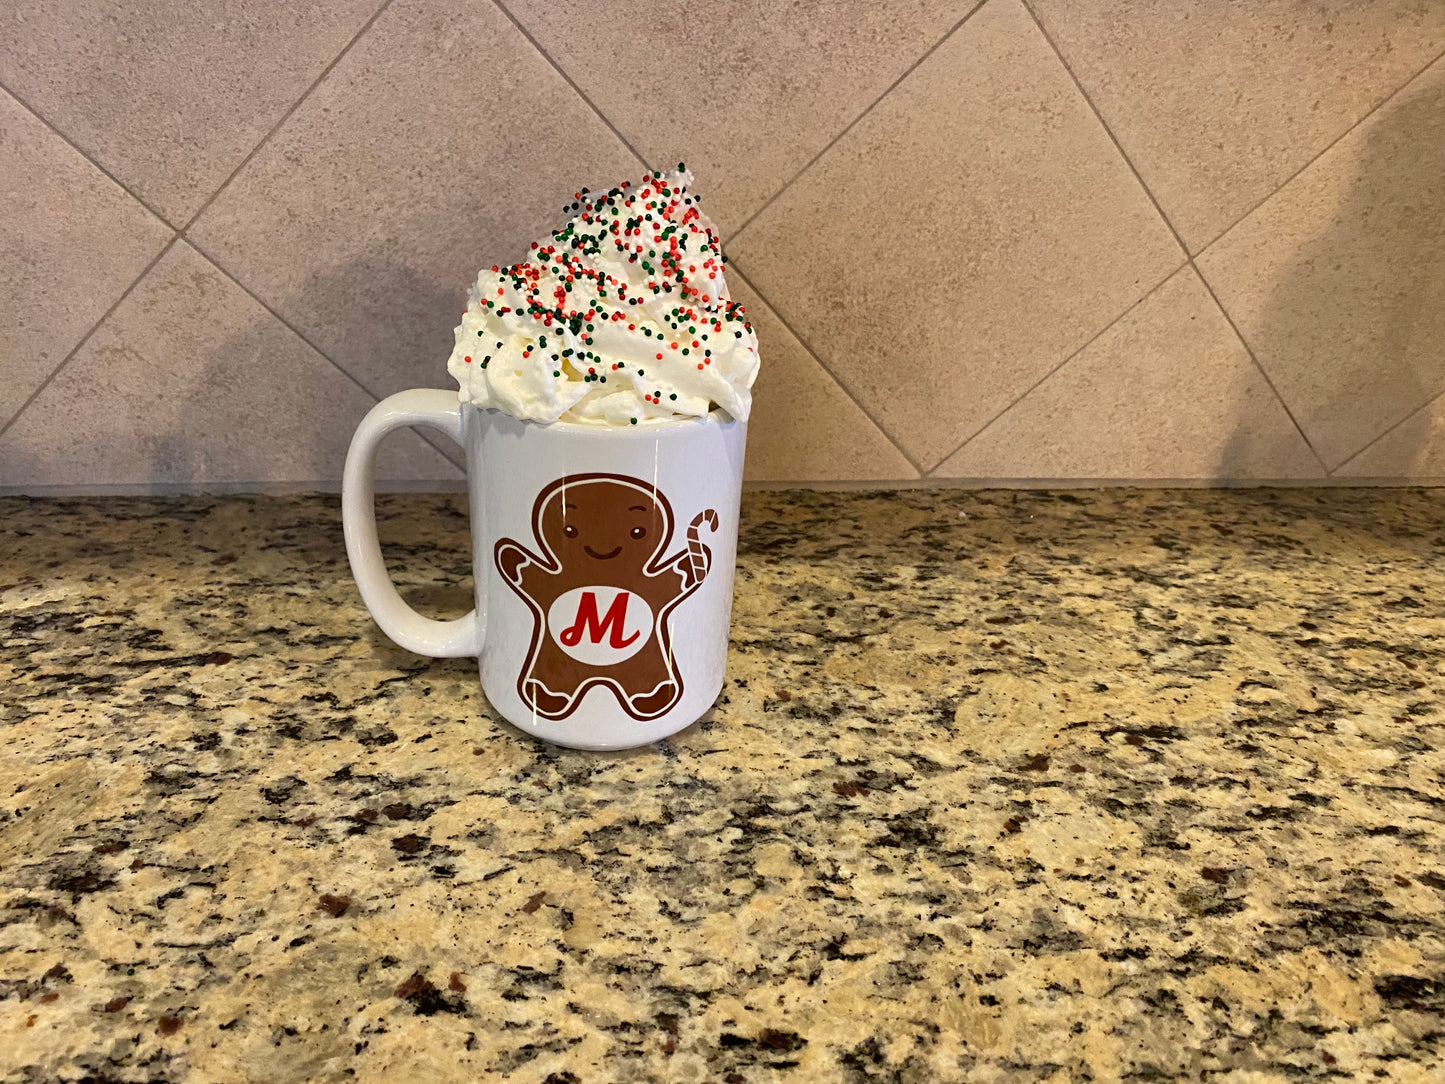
1010 786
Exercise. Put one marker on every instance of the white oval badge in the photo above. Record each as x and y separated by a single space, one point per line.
600 626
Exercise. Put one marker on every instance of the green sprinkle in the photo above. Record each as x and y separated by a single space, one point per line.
634 421
673 395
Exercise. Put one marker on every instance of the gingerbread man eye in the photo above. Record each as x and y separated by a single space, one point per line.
638 532
570 531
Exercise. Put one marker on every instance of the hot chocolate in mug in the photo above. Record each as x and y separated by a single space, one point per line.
603 558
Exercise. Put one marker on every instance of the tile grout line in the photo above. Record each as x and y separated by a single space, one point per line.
76 148
1330 472
1269 383
1323 151
305 94
1426 405
733 268
295 331
1184 251
882 486
262 142
146 270
1386 100
647 165
854 122
443 450
1188 255
1073 78
181 234
1145 296
570 82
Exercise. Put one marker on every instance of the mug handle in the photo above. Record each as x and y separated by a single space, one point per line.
435 409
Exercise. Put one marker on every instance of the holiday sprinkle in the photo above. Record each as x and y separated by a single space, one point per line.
621 317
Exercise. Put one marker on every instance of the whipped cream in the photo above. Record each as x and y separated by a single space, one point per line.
621 317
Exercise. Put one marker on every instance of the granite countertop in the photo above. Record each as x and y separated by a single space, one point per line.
1002 786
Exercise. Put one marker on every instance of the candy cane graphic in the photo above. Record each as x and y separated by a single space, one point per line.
697 553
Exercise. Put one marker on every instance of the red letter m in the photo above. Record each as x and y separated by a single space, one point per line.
595 627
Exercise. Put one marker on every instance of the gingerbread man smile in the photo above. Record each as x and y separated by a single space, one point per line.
601 593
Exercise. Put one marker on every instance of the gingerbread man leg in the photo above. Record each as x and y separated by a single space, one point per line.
550 686
657 689
542 700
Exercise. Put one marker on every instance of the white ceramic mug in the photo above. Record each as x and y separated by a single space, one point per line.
603 560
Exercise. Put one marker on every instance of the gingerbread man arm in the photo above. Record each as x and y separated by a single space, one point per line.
695 562
699 554
669 582
526 573
691 565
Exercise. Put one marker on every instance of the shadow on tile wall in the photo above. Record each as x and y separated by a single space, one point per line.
393 325
1357 309
193 383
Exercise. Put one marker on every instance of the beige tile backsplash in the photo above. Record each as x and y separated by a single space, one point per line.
73 241
1010 242
169 96
1338 282
364 218
746 92
192 381
1113 411
964 238
1219 102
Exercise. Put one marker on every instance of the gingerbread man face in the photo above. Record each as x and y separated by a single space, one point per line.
601 593
607 527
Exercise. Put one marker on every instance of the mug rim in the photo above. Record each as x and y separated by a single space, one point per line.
717 415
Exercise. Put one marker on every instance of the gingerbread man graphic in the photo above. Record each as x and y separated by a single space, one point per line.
601 593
